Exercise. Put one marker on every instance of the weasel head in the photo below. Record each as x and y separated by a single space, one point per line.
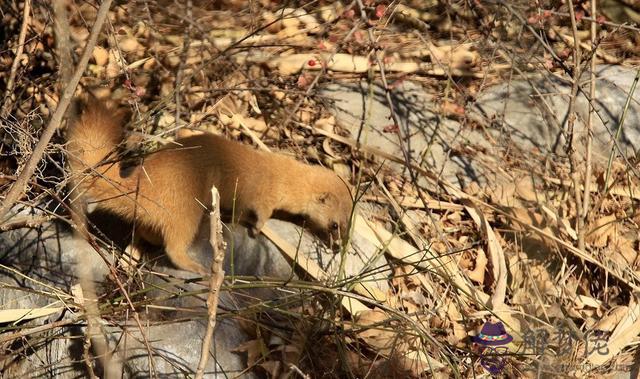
330 210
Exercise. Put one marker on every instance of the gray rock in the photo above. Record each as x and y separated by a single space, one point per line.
528 113
533 113
430 140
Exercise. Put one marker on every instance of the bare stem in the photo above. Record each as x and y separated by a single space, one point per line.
217 277
582 217
63 43
571 133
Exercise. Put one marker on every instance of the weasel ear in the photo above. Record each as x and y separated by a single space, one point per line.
323 197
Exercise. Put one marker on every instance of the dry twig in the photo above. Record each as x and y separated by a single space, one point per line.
63 43
584 212
217 277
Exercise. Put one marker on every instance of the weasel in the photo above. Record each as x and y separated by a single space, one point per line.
167 194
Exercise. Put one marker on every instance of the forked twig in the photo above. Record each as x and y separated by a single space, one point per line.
217 277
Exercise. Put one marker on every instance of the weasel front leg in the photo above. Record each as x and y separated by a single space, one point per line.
261 216
130 257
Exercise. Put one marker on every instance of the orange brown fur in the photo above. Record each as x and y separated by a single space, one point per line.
166 195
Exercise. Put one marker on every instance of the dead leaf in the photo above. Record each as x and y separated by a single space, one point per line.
602 230
477 274
326 124
100 55
130 45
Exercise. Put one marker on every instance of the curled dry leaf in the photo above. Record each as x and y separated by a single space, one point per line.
100 55
613 318
455 317
327 123
602 230
286 18
116 62
149 63
79 34
387 341
477 274
379 335
291 34
129 45
330 13
622 336
290 20
326 146
255 124
309 21
511 192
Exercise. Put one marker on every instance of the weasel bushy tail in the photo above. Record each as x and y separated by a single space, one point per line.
92 138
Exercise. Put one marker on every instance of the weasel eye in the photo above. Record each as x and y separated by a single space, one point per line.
334 225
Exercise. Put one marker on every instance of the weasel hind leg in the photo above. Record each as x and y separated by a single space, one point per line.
177 244
259 217
181 259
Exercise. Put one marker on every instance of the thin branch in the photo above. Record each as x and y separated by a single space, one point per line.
26 15
582 217
20 185
63 43
26 222
571 133
217 277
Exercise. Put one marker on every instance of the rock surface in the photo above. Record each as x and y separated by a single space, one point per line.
534 112
364 111
523 113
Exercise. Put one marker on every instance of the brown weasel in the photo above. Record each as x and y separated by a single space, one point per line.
166 196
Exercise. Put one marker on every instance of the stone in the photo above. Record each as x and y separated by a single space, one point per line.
429 139
533 112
